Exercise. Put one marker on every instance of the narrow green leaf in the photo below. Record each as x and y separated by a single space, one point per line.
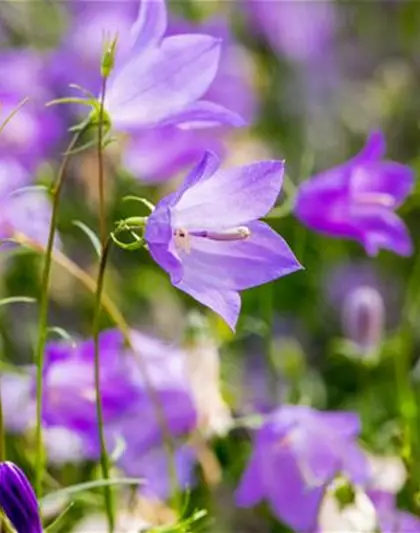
90 485
57 521
17 299
91 236
61 332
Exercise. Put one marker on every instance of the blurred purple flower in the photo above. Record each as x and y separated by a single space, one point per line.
391 519
69 391
24 211
35 130
297 453
208 238
129 412
300 30
18 500
357 200
18 408
160 81
231 88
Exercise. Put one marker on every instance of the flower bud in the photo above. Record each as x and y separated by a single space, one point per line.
363 318
108 58
18 500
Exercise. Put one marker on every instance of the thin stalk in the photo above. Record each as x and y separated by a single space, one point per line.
2 437
109 507
101 184
43 314
105 248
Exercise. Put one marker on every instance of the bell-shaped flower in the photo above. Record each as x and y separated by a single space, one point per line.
160 81
18 500
357 200
207 235
23 210
297 453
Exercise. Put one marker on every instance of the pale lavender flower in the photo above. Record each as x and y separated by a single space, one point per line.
207 235
18 500
24 211
160 80
300 30
231 88
297 453
35 130
357 200
390 518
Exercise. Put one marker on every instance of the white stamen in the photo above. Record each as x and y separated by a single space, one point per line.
235 234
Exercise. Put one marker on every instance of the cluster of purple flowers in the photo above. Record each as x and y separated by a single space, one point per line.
172 86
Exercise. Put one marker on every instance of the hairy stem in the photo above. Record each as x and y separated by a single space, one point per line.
43 314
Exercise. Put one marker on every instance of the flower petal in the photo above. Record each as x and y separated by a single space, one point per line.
382 228
150 25
158 235
152 87
238 265
387 178
204 114
374 148
237 195
28 212
291 499
250 490
225 303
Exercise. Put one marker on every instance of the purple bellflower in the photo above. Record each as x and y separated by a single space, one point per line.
301 31
390 518
35 130
18 500
207 235
69 404
24 211
160 80
357 200
231 88
297 453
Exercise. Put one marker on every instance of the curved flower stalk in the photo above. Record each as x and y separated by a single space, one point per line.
18 500
208 238
160 81
357 200
297 453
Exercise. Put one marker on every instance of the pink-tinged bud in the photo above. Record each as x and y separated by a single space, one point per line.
363 318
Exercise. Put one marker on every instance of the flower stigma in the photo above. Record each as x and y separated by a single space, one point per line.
182 236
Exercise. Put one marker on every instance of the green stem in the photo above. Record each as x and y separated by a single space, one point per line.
109 507
101 184
105 248
43 314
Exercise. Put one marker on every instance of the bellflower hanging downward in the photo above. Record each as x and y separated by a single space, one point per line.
207 235
357 200
297 453
18 500
160 81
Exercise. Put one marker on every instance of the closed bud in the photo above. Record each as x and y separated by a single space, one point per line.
108 58
18 500
363 318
